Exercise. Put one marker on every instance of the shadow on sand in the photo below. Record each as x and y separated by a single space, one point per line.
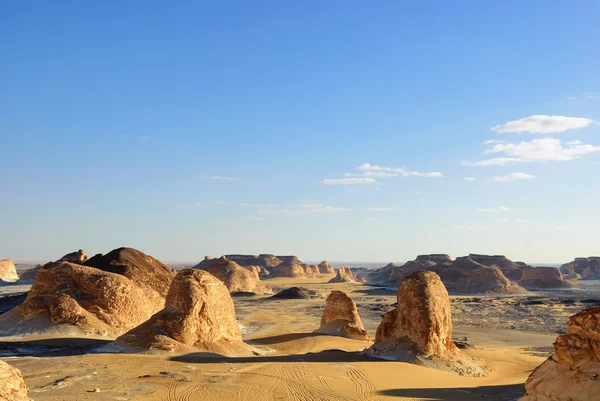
505 392
55 347
323 356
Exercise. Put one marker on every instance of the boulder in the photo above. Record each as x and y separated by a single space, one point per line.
199 314
83 298
340 317
571 374
144 270
542 278
12 386
419 330
326 268
78 257
344 275
8 272
235 277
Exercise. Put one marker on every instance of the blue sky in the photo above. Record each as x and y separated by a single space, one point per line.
330 130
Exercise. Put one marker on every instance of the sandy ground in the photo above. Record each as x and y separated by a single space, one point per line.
300 365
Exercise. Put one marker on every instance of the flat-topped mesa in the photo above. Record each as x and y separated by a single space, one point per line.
572 372
290 268
78 257
419 330
12 386
326 268
344 275
510 269
199 315
144 270
81 298
235 277
263 260
8 272
543 277
340 318
586 267
291 259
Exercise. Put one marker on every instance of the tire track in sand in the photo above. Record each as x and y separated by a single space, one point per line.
364 389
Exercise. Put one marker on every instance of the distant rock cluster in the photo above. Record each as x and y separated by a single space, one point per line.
281 266
585 267
344 275
235 277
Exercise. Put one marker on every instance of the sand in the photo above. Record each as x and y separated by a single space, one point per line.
296 364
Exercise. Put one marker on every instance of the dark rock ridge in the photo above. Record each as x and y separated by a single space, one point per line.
585 267
462 276
296 293
263 260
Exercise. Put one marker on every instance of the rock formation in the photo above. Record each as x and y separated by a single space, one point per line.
29 275
199 313
291 268
512 270
543 277
326 268
78 257
340 318
586 267
296 293
572 373
382 275
12 386
84 298
314 269
265 261
420 328
8 273
461 276
344 275
571 275
235 277
361 280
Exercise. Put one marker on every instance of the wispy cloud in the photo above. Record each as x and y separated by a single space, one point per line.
306 209
369 168
538 150
472 227
494 209
543 124
348 181
379 209
469 178
219 178
512 177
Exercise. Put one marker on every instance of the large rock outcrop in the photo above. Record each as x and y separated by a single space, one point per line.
326 268
585 267
78 257
12 386
461 276
419 330
235 277
340 317
8 272
81 298
573 372
263 260
344 275
512 270
291 268
542 278
199 314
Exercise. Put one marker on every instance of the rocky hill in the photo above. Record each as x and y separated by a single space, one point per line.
235 277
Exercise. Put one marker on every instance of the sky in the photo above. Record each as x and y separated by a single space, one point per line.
339 130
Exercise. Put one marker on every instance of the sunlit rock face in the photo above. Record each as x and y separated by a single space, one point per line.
235 277
572 373
8 272
12 386
543 277
344 275
340 317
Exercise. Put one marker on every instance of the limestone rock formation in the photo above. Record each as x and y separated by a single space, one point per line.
512 270
144 270
572 373
199 314
235 277
326 268
78 257
586 267
543 277
8 272
84 298
571 275
265 261
361 280
314 269
344 275
382 275
420 328
296 293
461 276
291 268
12 386
340 317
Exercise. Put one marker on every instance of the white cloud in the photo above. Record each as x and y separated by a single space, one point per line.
379 209
537 150
493 141
219 177
542 124
469 178
512 177
221 202
472 227
305 209
494 209
369 168
348 181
